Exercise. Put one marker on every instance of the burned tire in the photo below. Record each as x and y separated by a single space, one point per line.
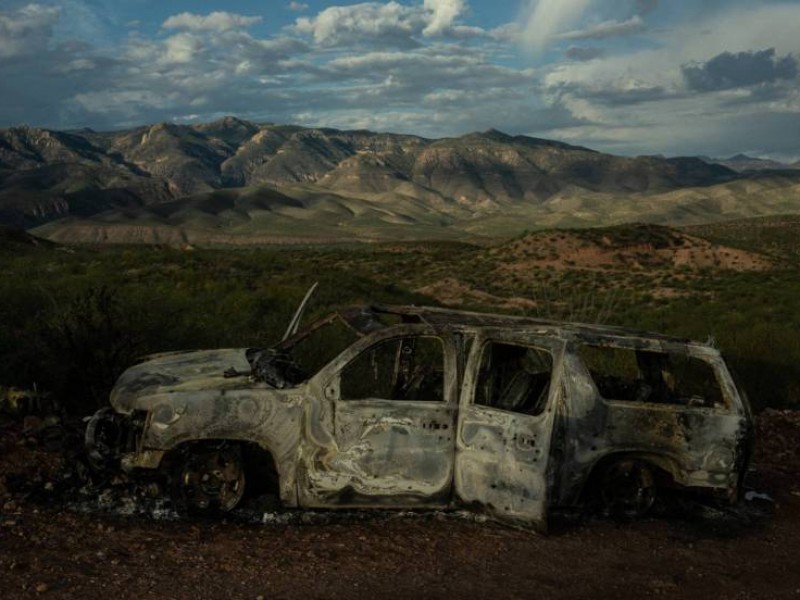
208 479
626 489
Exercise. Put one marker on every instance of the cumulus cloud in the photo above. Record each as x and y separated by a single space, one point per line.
343 25
606 29
215 21
205 67
389 23
180 48
422 66
298 6
742 69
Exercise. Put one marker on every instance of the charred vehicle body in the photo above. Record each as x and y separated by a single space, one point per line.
413 407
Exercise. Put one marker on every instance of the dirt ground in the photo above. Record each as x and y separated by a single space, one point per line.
51 546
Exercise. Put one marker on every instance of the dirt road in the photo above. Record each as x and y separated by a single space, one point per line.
689 551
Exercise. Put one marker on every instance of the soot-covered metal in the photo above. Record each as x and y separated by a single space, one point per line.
415 407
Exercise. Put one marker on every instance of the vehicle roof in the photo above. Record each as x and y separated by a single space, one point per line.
366 319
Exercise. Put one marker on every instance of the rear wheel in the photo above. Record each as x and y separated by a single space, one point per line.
626 489
209 479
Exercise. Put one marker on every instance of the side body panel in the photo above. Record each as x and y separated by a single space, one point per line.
697 446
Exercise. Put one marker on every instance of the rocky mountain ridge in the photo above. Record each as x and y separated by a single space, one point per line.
46 175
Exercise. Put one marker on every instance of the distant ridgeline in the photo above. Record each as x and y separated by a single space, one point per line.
232 182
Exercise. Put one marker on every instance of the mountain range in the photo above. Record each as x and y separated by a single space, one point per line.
743 163
234 181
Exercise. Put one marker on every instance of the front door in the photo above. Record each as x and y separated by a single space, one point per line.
505 424
394 407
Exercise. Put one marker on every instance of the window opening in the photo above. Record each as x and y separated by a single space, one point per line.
514 378
409 368
635 375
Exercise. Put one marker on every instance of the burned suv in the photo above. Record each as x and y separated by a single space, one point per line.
413 407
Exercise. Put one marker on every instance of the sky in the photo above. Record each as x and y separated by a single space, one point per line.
672 77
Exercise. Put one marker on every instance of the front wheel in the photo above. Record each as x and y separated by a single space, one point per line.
208 480
627 489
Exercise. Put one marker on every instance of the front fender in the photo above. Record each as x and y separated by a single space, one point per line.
269 418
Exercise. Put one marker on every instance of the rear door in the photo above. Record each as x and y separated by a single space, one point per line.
505 424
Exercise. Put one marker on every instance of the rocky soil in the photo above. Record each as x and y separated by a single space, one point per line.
65 535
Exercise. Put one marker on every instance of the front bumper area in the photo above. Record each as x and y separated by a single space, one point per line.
111 435
144 459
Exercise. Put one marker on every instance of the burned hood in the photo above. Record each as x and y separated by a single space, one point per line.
180 372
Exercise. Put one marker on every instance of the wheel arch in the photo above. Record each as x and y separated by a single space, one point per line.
263 472
666 469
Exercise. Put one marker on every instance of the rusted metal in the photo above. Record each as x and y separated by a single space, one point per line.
437 445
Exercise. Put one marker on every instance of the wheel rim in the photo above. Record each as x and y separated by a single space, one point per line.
212 480
628 489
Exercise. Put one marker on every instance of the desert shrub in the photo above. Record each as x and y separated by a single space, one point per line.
69 321
85 344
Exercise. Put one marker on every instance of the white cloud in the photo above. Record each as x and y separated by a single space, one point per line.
215 21
425 73
180 48
298 6
79 64
444 12
27 30
389 23
606 29
381 61
663 110
338 25
420 66
746 28
740 30
547 21
547 18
